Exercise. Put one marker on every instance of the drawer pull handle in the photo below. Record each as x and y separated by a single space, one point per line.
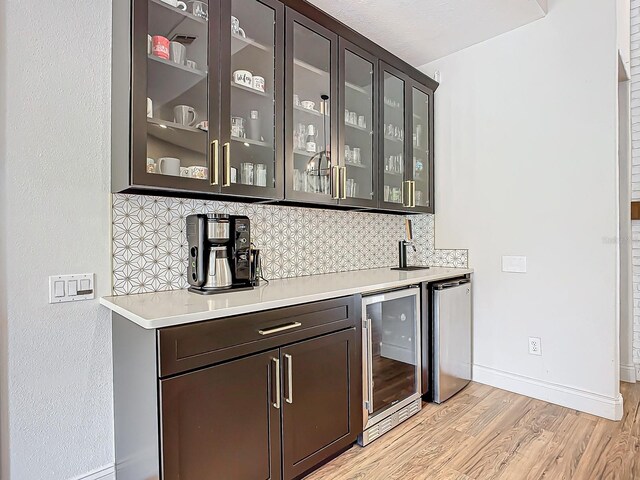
281 328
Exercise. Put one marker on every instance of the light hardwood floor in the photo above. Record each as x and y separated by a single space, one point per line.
486 433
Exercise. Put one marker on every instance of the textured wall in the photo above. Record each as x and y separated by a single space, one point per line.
150 251
635 178
57 203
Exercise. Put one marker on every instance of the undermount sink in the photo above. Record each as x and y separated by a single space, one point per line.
409 269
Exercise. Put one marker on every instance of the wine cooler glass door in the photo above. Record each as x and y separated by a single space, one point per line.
392 362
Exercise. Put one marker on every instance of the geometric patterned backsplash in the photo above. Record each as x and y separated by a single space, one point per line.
150 246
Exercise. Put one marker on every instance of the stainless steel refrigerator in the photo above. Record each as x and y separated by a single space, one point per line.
451 326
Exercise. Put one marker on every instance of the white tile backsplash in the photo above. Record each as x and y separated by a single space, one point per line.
150 248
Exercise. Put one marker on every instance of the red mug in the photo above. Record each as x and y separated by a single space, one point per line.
161 47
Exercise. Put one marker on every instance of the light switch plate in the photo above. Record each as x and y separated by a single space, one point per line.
71 288
514 264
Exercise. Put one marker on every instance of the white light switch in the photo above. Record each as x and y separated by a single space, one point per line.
514 264
71 288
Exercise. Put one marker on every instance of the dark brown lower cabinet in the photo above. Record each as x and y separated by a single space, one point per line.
262 396
319 378
222 422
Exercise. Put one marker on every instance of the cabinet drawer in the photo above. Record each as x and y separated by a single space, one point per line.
188 347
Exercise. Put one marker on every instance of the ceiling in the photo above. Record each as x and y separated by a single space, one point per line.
419 31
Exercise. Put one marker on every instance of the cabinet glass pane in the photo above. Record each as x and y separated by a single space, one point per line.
177 89
358 121
421 147
394 127
393 351
252 151
311 120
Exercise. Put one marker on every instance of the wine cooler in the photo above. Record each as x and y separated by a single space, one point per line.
391 360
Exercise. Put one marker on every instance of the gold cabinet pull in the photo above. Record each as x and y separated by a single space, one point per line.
344 183
406 193
213 159
335 183
413 193
226 159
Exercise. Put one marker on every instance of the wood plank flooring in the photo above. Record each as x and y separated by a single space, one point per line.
486 433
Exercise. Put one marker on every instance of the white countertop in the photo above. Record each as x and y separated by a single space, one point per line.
177 307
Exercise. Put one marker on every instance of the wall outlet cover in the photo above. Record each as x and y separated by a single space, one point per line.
535 346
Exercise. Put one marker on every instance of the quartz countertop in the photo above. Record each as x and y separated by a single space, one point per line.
178 307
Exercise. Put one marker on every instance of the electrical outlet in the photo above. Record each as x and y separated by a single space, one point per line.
535 346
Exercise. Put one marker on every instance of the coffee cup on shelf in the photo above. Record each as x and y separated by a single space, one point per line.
243 77
169 166
203 125
258 83
178 52
308 104
235 27
192 64
185 115
184 172
161 47
199 172
177 4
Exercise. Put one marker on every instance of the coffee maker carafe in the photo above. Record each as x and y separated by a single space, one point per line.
219 253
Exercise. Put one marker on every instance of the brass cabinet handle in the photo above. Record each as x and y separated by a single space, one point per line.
413 194
276 362
280 328
213 158
226 161
335 183
344 183
406 192
289 397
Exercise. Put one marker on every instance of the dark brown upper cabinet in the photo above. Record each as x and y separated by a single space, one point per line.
266 100
206 107
406 158
358 148
311 99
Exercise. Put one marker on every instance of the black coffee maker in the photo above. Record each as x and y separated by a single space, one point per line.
219 253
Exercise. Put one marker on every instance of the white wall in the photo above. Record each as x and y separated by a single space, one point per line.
57 201
526 164
4 418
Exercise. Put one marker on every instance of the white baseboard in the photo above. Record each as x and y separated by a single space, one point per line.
628 373
581 400
108 472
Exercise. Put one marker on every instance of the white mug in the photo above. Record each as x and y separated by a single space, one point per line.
175 3
182 114
258 83
169 166
243 77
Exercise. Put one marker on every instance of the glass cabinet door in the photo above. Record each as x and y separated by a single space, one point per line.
177 82
310 124
251 118
394 189
421 162
357 139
